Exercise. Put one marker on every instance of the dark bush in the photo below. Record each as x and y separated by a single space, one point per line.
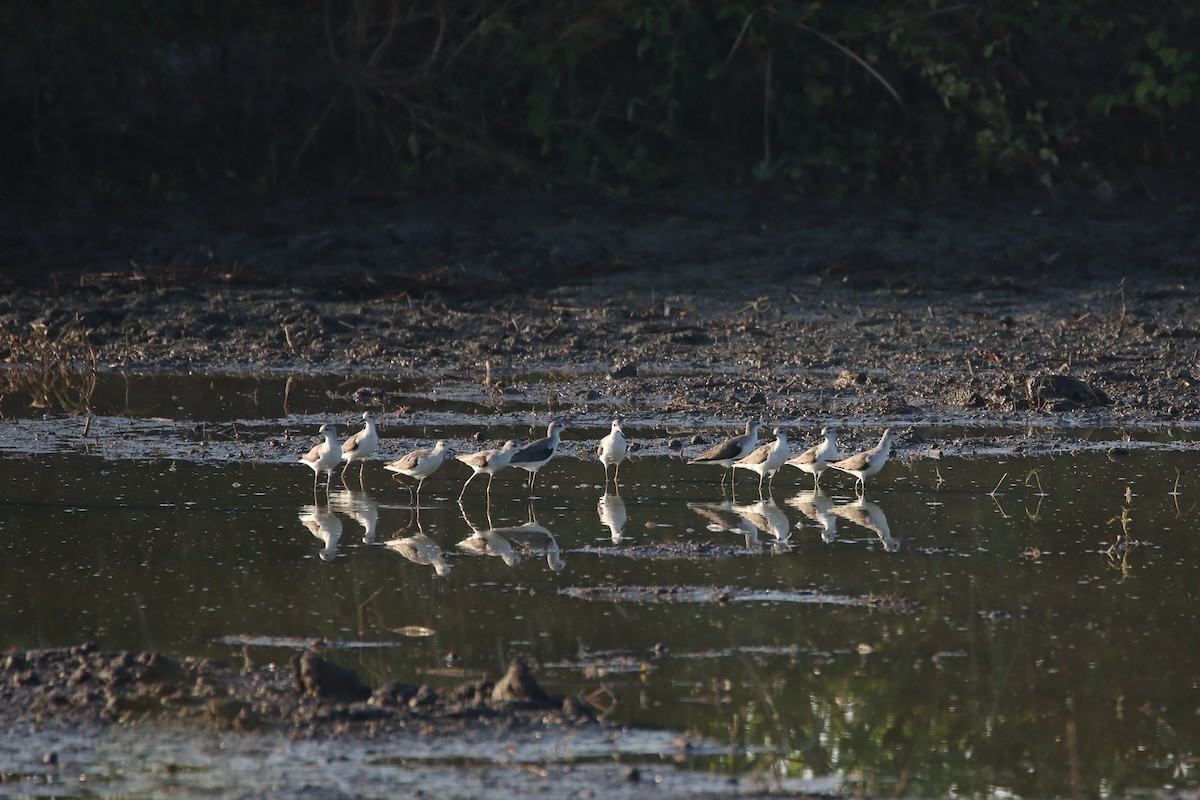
140 95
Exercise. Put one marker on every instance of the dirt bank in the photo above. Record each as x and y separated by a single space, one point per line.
719 302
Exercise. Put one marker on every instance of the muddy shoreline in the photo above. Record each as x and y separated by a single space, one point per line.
721 303
1077 308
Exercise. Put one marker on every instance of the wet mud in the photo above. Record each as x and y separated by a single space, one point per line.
710 303
311 697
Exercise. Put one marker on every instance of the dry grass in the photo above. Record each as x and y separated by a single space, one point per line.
55 369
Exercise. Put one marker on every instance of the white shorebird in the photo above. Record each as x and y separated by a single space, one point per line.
732 449
766 459
865 464
361 445
487 462
324 456
612 451
535 455
419 465
816 459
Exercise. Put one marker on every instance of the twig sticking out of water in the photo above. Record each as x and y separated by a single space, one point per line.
361 607
1033 473
1123 543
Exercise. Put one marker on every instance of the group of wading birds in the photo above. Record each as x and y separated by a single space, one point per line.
737 452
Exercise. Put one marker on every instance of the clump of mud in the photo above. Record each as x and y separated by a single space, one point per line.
85 685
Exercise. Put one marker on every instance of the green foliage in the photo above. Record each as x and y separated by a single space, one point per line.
1164 77
147 95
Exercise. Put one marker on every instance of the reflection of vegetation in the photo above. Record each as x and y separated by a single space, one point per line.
169 93
1118 551
55 369
934 724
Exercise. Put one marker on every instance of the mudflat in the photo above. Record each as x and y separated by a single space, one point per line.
935 308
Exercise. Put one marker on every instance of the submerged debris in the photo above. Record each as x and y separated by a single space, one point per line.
712 594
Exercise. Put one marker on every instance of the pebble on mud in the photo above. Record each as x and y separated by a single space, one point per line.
518 684
629 369
315 676
1063 393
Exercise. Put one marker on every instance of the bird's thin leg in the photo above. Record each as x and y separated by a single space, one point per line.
344 470
464 489
362 470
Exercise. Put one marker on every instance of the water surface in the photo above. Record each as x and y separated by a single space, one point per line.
969 628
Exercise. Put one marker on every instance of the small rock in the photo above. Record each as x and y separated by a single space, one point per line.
225 710
518 684
576 710
316 676
1062 392
395 694
425 695
846 379
626 370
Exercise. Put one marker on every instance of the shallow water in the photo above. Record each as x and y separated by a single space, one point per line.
967 629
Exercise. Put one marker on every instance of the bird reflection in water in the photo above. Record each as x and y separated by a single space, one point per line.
818 507
767 518
512 543
360 507
484 541
611 510
534 539
325 525
419 548
870 516
722 517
